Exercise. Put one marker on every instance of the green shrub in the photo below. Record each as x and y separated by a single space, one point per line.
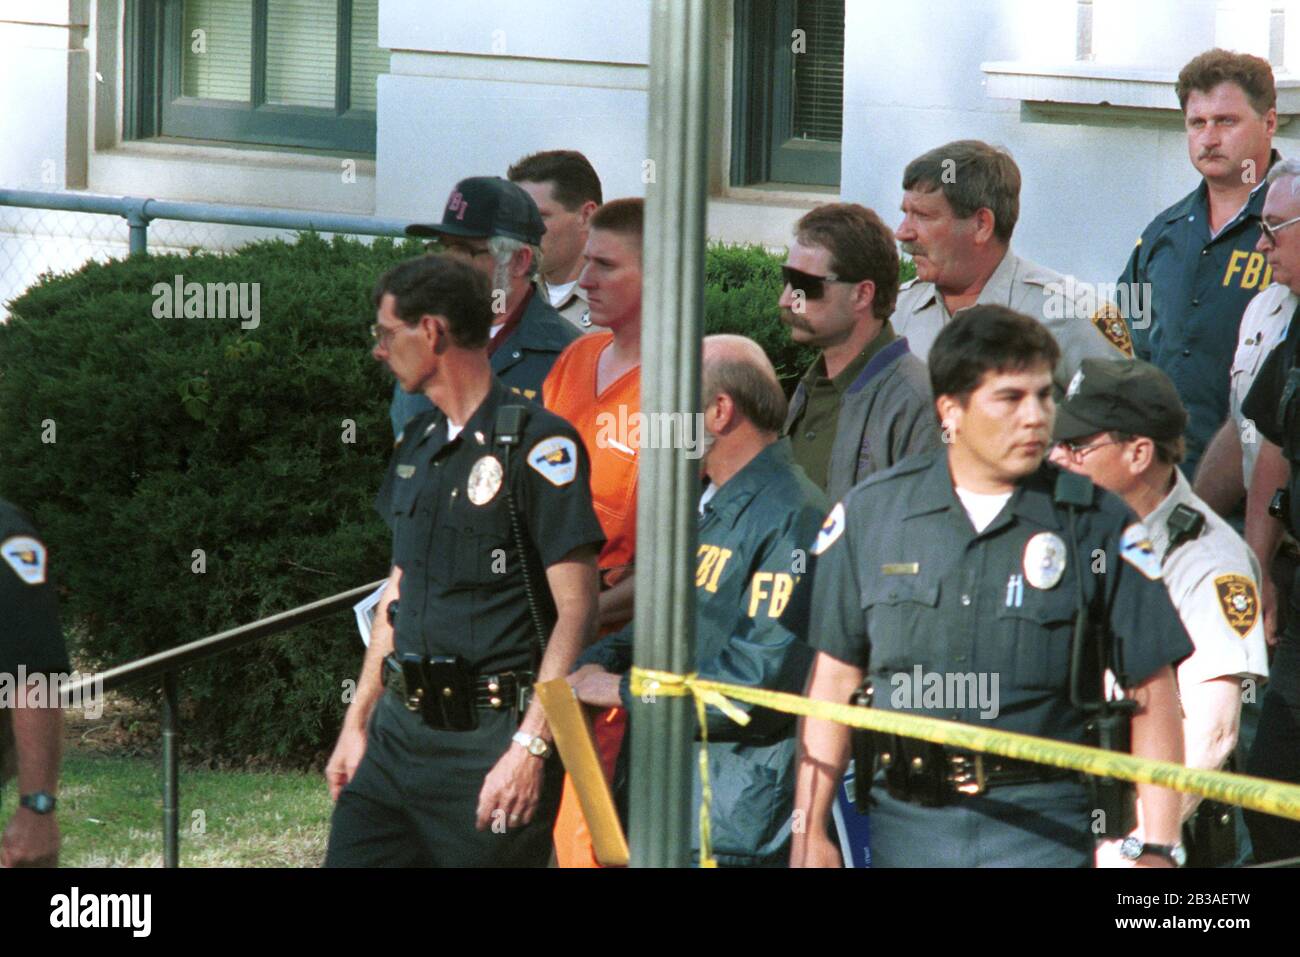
135 440
177 435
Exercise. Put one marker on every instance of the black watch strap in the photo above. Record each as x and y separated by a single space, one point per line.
39 802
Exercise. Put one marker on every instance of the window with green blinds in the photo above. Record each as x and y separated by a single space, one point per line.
217 60
369 59
787 92
301 45
298 73
818 80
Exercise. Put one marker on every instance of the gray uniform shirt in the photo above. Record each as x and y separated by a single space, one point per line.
1083 329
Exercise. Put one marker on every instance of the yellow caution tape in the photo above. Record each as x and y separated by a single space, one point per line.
1257 794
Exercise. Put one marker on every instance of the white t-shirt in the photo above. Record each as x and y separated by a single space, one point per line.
560 293
453 430
981 507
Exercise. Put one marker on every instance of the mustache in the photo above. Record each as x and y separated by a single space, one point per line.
912 249
792 319
1211 154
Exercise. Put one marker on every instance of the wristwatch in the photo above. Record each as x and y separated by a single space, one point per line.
42 802
536 746
1132 848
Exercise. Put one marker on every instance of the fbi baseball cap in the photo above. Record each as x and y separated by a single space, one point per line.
484 206
1120 395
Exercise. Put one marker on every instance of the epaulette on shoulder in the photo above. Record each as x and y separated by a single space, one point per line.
1074 489
908 466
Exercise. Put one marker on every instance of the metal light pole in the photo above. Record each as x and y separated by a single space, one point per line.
663 730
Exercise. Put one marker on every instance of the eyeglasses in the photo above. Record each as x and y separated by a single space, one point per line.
1079 452
456 247
382 335
1270 232
812 287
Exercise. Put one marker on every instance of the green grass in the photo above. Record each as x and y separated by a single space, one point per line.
110 815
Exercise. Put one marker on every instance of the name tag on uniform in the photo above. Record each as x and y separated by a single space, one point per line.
405 471
901 568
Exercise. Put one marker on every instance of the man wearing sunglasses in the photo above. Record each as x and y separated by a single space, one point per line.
1196 266
493 225
961 202
1122 426
864 404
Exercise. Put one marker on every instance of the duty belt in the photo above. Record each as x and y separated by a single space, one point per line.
492 692
933 774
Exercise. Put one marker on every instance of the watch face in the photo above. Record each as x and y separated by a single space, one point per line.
40 802
1179 854
1131 848
539 748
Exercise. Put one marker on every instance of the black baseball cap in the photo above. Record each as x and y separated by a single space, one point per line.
1120 395
484 206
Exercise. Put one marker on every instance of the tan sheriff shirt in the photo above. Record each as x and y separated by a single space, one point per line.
1263 327
572 305
1083 327
1213 582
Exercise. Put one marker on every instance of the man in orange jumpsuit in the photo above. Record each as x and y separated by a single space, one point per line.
596 385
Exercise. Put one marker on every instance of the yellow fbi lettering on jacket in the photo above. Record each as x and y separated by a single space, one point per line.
772 589
1247 270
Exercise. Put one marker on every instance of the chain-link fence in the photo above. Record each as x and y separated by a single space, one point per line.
36 239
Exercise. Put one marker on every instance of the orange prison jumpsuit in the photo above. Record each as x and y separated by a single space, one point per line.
606 422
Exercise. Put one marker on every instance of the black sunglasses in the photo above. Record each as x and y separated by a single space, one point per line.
812 287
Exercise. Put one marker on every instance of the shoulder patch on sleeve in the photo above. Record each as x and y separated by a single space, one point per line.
831 530
26 556
1238 601
1135 548
555 459
1111 324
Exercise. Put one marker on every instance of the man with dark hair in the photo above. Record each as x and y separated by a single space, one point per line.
493 588
31 647
567 191
756 518
961 203
968 564
1122 426
864 403
1195 267
494 226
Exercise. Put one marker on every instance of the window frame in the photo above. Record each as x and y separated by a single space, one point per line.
154 47
763 103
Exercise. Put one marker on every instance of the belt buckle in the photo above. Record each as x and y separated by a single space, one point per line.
967 774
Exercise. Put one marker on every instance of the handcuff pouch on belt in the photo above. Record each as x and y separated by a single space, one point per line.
916 771
441 690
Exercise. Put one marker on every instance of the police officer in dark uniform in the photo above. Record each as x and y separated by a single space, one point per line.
493 588
1274 405
31 732
527 333
753 582
1198 256
952 582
